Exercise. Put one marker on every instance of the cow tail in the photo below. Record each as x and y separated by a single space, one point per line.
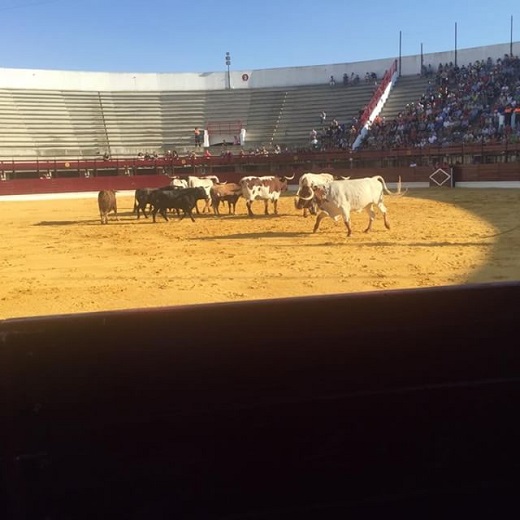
382 181
398 193
135 204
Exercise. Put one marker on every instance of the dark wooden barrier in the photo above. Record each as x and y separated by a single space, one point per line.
321 407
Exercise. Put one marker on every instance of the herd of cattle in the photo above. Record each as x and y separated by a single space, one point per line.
320 194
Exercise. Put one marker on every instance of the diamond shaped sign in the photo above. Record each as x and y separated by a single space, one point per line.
440 177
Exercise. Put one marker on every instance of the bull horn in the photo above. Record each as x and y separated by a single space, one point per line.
288 178
310 197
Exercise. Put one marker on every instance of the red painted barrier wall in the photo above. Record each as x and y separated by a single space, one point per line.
470 173
72 185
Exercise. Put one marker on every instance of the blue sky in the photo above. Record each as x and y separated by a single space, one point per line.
181 36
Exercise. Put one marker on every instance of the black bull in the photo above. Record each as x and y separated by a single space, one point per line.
183 199
143 198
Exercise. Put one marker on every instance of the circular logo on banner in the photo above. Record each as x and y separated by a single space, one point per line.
67 165
245 77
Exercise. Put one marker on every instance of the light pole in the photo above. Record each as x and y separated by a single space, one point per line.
228 63
400 41
455 44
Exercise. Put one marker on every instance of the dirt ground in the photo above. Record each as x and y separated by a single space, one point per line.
56 257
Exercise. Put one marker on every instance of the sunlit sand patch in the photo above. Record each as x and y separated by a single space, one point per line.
56 258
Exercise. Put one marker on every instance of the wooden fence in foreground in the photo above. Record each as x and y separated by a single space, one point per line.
395 401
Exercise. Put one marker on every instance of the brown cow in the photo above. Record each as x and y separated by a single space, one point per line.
229 192
107 203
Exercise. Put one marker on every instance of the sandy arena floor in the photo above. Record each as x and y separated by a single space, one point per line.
56 257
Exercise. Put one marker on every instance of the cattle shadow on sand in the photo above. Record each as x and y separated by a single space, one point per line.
83 222
66 222
248 236
352 243
256 216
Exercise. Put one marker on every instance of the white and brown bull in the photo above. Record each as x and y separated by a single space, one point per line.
267 188
305 194
327 210
228 192
178 181
107 203
356 195
205 182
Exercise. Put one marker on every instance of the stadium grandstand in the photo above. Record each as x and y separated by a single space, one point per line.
72 126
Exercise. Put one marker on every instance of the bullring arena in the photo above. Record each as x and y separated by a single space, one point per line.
58 259
246 367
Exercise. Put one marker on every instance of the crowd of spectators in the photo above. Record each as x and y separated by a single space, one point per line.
334 135
354 79
338 135
471 104
227 151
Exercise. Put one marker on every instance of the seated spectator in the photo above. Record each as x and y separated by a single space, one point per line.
207 153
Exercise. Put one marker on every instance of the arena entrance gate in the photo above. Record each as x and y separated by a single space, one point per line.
228 132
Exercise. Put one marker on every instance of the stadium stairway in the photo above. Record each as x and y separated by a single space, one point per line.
406 90
303 105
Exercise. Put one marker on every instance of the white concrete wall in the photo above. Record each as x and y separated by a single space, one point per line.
281 77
